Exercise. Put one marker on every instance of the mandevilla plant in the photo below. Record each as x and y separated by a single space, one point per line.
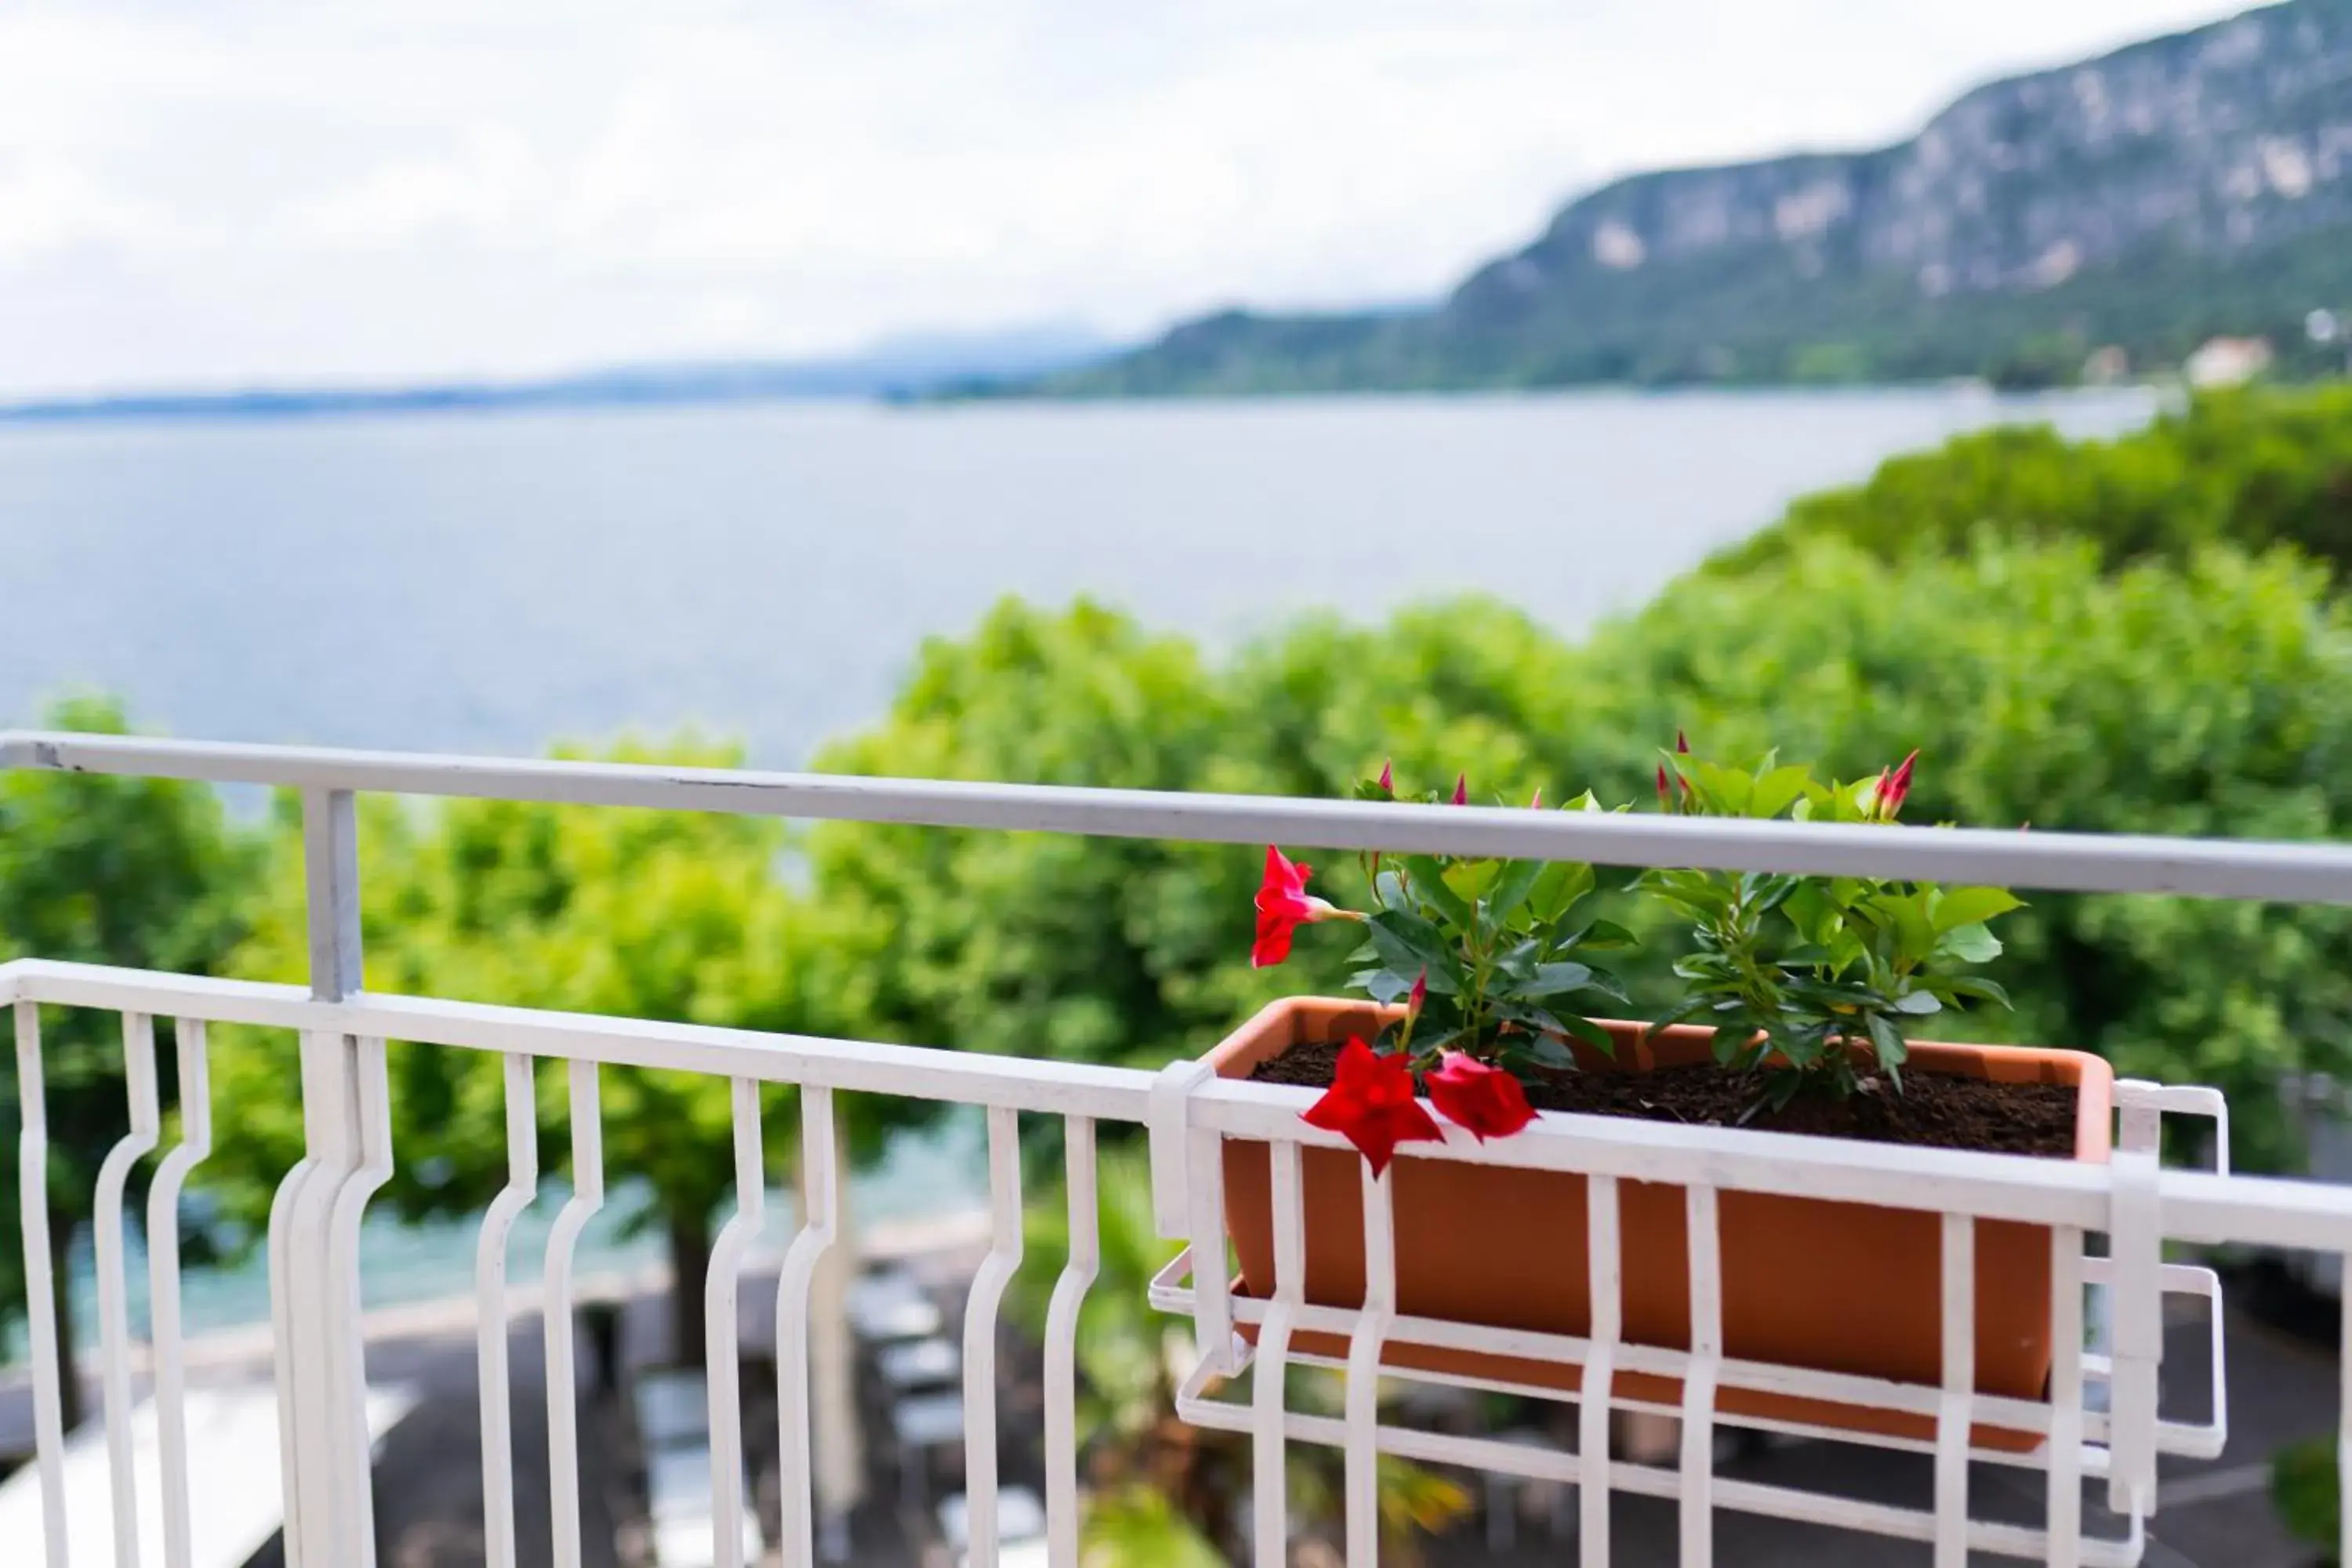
1792 971
1493 961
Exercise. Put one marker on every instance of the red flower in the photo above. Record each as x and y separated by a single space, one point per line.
1462 789
1388 777
1284 904
1371 1104
1484 1100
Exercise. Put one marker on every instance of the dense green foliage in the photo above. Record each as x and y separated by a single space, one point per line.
659 915
2249 468
2207 699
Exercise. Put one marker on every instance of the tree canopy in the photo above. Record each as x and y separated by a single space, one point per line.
2253 469
668 916
2207 698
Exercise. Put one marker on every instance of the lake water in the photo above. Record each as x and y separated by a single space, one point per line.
489 582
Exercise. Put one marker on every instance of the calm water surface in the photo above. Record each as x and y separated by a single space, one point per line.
488 583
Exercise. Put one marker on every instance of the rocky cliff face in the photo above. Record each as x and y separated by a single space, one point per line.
2193 184
2231 138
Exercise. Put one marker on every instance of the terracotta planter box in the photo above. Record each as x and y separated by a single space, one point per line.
1835 1287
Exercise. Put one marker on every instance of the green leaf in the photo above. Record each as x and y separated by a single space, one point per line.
1811 910
1777 790
1547 1050
1971 985
1892 1052
1551 979
1469 879
1409 945
1726 791
1972 905
1428 882
1969 944
1512 887
1590 1033
1389 891
1604 936
1918 1003
1557 888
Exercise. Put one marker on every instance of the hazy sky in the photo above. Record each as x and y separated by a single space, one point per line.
216 193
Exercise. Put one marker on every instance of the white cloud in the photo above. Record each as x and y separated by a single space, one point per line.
382 188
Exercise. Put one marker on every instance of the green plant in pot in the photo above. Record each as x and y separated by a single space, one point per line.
1486 986
1792 973
1493 960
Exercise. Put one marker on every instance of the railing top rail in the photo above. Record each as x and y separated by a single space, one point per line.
913 1072
2073 862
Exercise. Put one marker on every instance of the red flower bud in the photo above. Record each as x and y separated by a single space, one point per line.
1682 744
1484 1101
1371 1103
1535 801
1462 789
1419 998
1665 800
1899 788
1388 778
1283 905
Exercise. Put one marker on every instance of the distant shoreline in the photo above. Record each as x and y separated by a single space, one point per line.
292 406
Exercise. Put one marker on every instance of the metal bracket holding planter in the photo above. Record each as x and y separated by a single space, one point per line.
2101 1418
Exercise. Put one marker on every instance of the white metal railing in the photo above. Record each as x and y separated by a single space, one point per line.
314 1272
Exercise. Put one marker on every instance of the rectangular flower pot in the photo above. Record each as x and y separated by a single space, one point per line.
1807 1282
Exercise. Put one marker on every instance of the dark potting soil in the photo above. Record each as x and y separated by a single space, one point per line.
1933 1110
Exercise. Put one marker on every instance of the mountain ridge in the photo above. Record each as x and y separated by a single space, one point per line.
2175 188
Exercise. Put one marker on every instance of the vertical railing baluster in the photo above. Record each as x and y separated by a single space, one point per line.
354 1491
40 1285
722 1353
2065 1478
820 1217
113 1289
314 1311
1062 1344
1603 1271
1363 1397
1269 1470
563 1381
1204 1198
979 1334
1958 1401
491 1320
1698 1520
164 1284
293 1315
